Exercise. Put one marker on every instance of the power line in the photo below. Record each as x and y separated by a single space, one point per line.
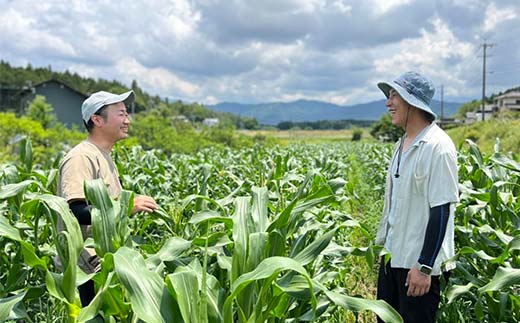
469 63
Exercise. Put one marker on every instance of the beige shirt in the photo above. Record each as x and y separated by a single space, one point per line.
83 162
87 161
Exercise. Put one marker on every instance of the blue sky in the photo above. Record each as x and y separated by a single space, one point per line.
211 51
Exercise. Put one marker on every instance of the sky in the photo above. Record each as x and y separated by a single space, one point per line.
253 51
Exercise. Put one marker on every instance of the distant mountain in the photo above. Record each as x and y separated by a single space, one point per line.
307 110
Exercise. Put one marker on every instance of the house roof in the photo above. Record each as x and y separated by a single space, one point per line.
512 94
26 89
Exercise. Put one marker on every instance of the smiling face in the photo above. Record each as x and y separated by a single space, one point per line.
398 108
113 122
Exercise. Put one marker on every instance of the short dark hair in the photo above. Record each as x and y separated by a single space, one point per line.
430 117
101 112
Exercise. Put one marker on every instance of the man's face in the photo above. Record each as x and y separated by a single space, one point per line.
398 108
114 122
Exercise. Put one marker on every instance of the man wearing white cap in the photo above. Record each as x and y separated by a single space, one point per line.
417 226
106 119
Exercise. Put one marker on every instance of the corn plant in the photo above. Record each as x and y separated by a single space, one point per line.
262 276
29 232
486 283
251 235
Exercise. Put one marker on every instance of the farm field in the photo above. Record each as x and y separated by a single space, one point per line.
280 234
309 136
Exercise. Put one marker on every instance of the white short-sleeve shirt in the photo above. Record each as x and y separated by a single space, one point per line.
428 178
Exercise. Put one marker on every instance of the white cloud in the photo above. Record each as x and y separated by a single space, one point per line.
495 16
431 54
342 7
160 80
19 34
257 51
383 6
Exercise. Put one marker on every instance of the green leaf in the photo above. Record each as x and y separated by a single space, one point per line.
210 215
241 219
268 269
7 304
26 155
313 250
171 249
386 312
10 190
504 277
183 285
104 215
7 230
457 290
259 209
507 162
148 294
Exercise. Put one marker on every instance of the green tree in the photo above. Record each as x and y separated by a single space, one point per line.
41 111
385 130
357 133
468 107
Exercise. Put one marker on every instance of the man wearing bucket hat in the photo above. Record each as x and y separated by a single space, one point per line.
106 119
417 227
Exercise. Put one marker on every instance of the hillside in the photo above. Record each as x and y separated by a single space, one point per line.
305 110
16 78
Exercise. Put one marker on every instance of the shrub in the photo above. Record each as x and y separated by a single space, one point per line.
357 134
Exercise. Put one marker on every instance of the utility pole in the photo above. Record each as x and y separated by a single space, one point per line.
442 105
484 46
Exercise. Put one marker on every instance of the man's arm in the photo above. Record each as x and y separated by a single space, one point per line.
81 211
144 203
419 283
435 232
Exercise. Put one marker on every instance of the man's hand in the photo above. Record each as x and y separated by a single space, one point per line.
144 203
417 282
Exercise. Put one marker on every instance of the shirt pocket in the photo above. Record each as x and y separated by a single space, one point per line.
420 174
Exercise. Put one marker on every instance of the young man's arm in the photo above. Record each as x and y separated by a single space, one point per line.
81 211
419 282
435 232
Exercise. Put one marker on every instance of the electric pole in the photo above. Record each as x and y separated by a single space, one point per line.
442 105
484 46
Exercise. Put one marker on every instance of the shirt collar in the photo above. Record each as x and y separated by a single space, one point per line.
425 134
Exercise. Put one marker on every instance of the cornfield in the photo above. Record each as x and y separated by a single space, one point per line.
255 235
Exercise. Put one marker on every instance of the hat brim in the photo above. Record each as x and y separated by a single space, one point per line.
128 98
412 100
89 108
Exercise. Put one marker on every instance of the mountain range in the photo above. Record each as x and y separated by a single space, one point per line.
310 110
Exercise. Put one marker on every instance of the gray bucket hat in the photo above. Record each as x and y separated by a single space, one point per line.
414 88
99 99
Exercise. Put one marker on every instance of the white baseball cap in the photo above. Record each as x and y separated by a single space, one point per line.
99 99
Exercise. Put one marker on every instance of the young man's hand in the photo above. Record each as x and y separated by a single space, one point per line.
144 203
417 282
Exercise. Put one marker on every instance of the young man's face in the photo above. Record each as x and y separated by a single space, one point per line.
114 122
398 108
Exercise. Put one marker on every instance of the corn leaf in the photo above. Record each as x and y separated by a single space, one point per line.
7 304
148 294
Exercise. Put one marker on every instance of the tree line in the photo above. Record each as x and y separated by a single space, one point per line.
20 77
324 124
